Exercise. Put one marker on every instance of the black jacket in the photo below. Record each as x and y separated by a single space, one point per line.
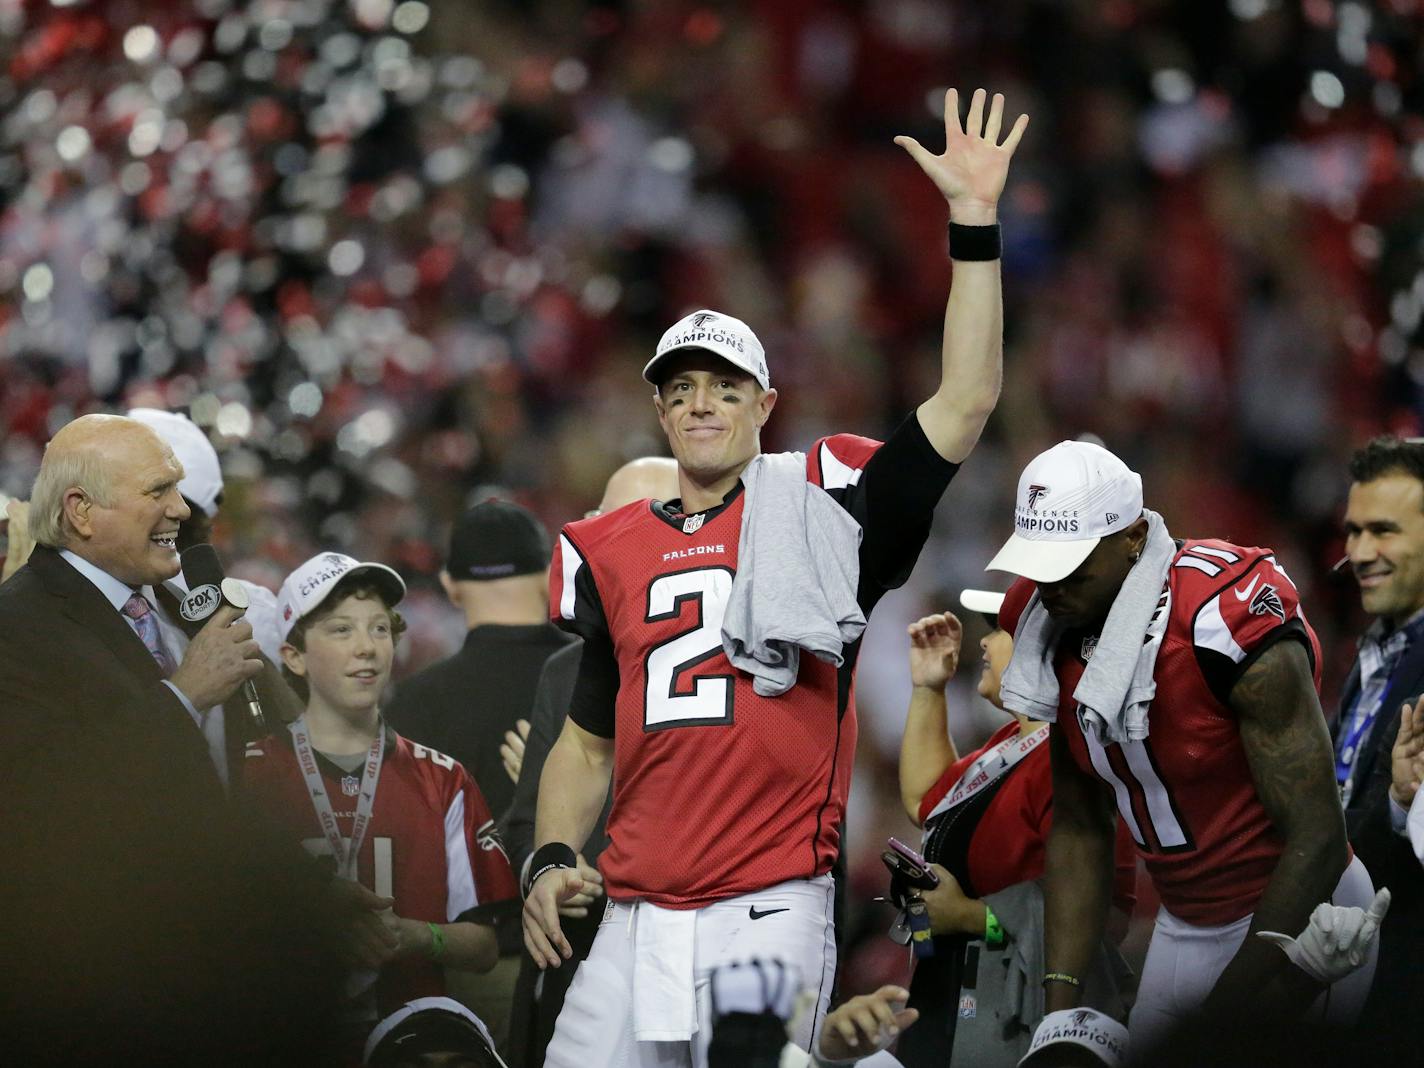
463 705
1399 979
140 922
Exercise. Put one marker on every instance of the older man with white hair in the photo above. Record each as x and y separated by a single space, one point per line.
201 488
120 906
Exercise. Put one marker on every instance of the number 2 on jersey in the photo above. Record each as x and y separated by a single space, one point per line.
700 594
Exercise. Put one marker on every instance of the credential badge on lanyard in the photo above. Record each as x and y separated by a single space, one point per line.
345 851
990 767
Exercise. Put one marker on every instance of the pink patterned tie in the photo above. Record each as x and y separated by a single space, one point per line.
146 624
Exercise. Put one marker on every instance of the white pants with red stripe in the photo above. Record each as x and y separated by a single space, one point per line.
1184 962
792 921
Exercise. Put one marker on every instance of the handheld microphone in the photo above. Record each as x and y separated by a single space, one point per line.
207 589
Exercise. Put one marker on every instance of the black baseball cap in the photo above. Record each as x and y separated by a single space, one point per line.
497 539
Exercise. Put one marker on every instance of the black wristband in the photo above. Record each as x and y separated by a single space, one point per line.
546 858
975 243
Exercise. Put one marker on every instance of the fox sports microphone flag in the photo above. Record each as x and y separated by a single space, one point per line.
207 589
203 575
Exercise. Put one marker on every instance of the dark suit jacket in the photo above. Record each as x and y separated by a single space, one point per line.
538 996
138 920
546 722
1399 980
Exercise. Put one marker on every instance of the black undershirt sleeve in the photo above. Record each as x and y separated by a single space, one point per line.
894 504
595 693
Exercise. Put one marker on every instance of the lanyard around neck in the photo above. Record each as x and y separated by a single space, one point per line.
345 851
990 766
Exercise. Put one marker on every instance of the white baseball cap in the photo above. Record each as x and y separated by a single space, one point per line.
719 334
985 602
1088 1029
202 475
308 586
1069 499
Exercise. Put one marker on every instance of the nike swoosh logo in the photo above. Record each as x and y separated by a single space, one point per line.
1242 596
754 914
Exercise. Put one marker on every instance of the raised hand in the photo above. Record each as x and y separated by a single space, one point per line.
1407 756
934 649
974 166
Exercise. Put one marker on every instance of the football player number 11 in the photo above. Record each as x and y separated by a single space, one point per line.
698 598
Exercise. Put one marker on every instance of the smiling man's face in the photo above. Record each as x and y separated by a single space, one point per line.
1384 538
712 414
134 536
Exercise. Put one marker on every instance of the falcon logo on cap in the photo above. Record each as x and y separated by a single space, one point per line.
1081 1018
700 319
1034 493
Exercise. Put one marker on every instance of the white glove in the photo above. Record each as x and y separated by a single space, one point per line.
755 986
1336 940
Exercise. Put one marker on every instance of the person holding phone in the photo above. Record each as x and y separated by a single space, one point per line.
986 817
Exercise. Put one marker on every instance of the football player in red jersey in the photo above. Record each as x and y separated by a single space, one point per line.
405 822
1183 677
727 801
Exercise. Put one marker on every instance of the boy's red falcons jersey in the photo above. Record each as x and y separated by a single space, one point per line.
1186 791
431 843
717 790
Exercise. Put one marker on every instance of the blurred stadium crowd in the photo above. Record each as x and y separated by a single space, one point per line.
398 255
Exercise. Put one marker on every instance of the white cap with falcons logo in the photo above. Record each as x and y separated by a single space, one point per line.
306 587
720 335
1069 499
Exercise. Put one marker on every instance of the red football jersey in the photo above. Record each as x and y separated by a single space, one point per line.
431 843
1186 792
1011 838
719 791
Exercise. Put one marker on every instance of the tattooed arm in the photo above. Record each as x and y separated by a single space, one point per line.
1288 748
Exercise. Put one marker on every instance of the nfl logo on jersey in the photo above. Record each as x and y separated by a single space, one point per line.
350 785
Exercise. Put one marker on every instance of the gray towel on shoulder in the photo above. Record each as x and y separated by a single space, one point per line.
798 568
1117 686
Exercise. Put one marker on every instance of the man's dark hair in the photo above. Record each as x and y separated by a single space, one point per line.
1388 455
360 586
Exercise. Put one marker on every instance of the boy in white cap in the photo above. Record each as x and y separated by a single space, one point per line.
404 821
1183 678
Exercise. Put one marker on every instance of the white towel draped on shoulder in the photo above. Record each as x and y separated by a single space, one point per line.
798 569
1117 686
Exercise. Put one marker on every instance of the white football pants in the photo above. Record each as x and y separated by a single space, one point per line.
1184 962
792 921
